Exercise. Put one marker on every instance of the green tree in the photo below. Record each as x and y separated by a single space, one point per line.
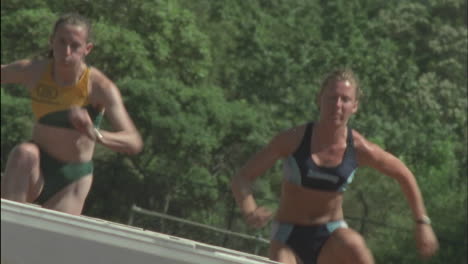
209 82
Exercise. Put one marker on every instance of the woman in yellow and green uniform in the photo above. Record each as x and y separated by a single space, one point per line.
51 106
68 97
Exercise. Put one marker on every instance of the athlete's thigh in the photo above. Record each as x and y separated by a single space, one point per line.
282 253
71 199
37 184
345 246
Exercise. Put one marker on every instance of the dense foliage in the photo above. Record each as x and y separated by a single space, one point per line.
209 82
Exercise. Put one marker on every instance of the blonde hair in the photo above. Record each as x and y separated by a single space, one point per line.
340 74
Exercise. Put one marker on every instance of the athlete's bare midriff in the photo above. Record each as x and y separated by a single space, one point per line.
63 144
303 206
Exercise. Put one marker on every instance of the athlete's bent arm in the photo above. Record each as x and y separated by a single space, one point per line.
370 154
280 146
125 138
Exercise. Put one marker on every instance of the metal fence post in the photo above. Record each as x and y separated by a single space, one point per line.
130 218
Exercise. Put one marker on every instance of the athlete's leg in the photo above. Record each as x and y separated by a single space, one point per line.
71 199
282 253
345 246
22 181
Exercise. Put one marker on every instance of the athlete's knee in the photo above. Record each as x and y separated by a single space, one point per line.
355 246
25 155
281 253
22 162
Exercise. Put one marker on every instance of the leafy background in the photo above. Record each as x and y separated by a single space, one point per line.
209 82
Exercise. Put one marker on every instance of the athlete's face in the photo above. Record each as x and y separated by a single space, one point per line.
69 44
338 102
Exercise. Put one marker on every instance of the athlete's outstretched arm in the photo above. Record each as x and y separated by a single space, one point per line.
370 154
16 72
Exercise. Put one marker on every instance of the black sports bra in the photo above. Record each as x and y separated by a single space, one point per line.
300 168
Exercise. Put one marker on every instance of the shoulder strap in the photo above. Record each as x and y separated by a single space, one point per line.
349 139
304 147
351 152
308 134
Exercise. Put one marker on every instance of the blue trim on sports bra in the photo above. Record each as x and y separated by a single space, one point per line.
300 169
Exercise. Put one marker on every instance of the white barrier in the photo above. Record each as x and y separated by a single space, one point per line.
33 235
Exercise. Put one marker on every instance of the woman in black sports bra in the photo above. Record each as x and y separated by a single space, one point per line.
320 161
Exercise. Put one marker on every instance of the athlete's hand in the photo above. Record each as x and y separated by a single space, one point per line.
81 121
259 217
426 241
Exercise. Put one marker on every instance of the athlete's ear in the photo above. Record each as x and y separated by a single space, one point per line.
89 47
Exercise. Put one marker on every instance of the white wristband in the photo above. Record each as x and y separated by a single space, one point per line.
98 134
424 220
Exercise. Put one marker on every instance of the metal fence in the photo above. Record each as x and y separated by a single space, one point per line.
259 241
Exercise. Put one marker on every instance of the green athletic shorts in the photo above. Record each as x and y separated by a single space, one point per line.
58 174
